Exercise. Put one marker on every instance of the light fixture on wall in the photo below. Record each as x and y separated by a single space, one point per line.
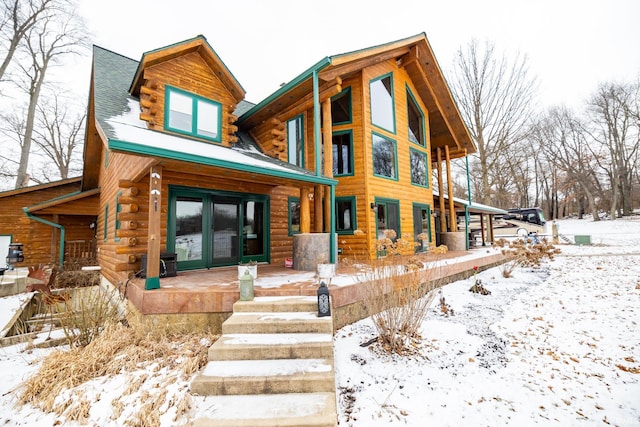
373 206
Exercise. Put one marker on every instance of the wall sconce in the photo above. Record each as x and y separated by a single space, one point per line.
310 197
373 206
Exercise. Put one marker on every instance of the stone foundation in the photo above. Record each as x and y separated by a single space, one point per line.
454 241
309 250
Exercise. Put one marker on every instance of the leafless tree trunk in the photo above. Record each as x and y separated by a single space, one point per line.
495 98
59 34
58 135
563 141
613 111
17 19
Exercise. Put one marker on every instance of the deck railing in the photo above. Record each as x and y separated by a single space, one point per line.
80 249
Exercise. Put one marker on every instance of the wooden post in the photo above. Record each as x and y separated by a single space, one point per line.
305 214
153 235
452 210
327 138
317 208
491 228
443 216
482 227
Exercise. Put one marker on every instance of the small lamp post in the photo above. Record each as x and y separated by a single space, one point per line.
324 307
246 286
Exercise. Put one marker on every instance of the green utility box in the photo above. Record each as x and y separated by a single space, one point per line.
583 240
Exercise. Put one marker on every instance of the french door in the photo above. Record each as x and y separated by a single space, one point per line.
209 229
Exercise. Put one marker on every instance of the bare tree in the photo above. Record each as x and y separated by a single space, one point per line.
58 135
562 138
613 113
59 34
495 97
17 19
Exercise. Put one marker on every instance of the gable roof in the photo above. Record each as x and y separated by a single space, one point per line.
415 55
117 118
197 44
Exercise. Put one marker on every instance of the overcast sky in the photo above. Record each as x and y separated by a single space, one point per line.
572 45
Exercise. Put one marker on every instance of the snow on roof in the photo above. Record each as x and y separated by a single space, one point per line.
127 128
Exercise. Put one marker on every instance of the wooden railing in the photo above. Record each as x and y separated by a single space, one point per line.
80 249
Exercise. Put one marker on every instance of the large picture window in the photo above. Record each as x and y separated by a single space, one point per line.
419 168
384 157
191 114
381 93
345 215
415 120
342 147
295 141
341 107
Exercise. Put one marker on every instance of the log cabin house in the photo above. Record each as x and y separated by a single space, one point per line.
176 161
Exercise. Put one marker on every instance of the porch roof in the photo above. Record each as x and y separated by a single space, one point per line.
473 207
68 200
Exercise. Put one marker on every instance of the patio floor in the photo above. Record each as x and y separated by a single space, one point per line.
215 290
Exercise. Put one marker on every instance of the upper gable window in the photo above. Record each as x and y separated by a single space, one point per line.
415 119
341 107
381 93
191 114
295 141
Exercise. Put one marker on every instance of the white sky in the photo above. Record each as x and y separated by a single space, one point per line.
572 45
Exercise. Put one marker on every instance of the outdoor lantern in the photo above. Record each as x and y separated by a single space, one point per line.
324 308
15 254
246 286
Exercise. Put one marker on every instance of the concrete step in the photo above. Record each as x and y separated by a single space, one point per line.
272 304
265 377
272 346
277 322
287 410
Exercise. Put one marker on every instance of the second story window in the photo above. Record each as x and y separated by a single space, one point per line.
342 153
381 93
295 141
415 118
191 114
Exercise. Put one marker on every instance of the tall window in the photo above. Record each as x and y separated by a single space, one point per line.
294 215
419 168
381 92
345 215
192 114
341 107
415 120
342 153
388 215
421 226
384 157
295 141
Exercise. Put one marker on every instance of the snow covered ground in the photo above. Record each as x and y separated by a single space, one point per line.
558 345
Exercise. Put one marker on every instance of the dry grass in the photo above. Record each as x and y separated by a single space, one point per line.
119 349
398 291
525 253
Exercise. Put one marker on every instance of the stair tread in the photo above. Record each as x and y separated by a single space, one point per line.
259 410
270 367
279 315
274 339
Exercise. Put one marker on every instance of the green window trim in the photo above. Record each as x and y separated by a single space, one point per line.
341 220
197 103
378 107
413 153
295 143
118 209
420 207
343 99
292 201
105 231
394 173
336 154
421 119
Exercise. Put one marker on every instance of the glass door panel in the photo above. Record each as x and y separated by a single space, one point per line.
188 239
225 227
253 235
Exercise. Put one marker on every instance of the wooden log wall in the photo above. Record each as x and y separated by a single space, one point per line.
41 242
190 73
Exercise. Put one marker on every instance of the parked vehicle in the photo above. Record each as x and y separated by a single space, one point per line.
520 222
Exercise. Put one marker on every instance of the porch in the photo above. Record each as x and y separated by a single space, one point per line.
212 292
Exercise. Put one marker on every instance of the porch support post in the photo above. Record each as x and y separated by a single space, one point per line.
332 225
327 137
305 214
482 228
443 216
452 211
316 123
154 231
317 209
491 229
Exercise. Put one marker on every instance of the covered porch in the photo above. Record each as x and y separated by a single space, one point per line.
208 295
